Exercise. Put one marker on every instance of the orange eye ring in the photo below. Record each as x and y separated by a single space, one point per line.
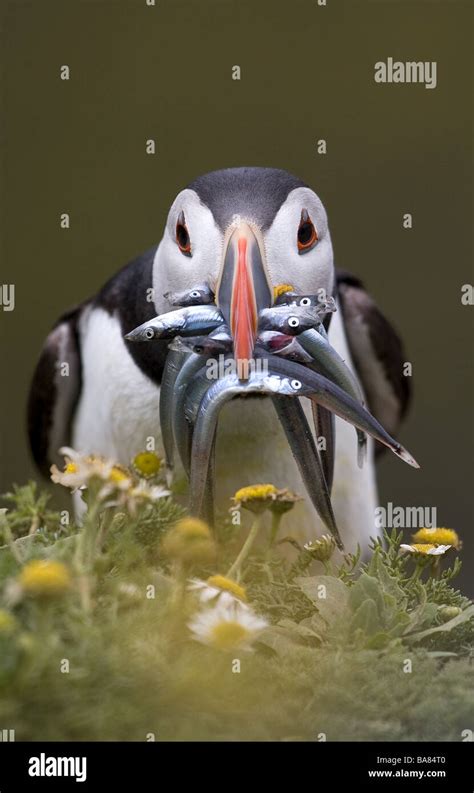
183 239
307 236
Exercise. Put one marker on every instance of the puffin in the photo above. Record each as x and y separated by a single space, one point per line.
96 392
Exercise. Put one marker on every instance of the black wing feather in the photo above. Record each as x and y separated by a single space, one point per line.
377 352
54 394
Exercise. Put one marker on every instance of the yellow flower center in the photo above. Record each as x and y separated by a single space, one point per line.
227 585
255 492
71 468
147 464
117 475
423 547
281 289
45 578
227 635
438 537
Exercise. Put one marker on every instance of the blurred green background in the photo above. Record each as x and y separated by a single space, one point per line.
164 72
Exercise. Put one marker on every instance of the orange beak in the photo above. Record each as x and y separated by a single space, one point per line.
242 292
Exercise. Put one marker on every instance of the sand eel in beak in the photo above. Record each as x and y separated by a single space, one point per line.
187 321
276 343
299 435
219 343
200 295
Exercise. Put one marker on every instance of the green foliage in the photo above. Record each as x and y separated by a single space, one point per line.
29 513
387 605
331 660
151 523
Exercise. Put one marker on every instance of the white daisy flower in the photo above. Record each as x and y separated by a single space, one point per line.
227 627
425 549
78 469
118 488
218 587
138 494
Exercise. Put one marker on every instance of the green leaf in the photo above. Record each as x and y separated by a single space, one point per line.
422 616
464 616
367 588
303 629
366 618
388 582
379 641
316 624
329 595
279 639
440 654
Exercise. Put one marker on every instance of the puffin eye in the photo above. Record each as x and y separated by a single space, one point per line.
296 385
305 301
182 235
149 333
307 235
293 322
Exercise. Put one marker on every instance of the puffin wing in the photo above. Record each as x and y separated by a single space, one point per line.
377 353
55 390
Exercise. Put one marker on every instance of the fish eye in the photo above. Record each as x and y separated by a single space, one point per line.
296 385
307 235
182 235
149 333
293 322
198 348
194 293
305 301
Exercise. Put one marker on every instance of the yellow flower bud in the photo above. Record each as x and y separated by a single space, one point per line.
190 542
322 548
45 578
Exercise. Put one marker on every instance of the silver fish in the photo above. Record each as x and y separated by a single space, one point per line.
192 378
211 346
174 362
333 398
301 442
200 295
324 305
216 396
188 409
189 321
324 426
290 320
330 364
185 377
277 343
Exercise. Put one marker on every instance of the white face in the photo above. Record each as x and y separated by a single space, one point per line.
307 268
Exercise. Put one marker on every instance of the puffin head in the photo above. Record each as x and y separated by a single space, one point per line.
244 231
